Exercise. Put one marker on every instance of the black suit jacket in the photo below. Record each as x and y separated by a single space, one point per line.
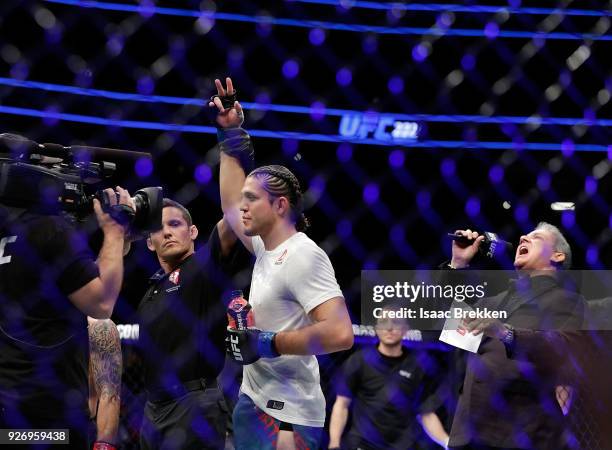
508 396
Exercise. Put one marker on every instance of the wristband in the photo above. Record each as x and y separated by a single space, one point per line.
228 133
265 345
236 143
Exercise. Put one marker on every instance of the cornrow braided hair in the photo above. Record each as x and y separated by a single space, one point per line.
279 181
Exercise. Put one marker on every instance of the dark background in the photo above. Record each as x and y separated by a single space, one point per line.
371 206
366 212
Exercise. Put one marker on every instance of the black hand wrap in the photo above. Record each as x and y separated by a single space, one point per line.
236 142
227 100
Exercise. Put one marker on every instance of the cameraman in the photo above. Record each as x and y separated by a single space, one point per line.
49 283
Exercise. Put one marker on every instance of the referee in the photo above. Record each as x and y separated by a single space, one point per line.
182 326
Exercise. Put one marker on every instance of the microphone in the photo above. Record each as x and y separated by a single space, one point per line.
491 246
16 145
87 153
100 153
20 145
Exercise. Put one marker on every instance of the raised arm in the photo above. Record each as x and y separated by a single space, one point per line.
105 367
227 237
231 180
97 298
236 158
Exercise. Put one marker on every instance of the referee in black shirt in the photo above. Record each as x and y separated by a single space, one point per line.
182 329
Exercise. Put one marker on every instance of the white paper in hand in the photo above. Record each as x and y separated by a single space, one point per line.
451 336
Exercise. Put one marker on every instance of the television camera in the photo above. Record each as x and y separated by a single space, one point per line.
51 178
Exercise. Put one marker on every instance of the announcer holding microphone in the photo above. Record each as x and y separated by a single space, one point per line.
508 398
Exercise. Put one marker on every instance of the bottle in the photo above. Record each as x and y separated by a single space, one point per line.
239 313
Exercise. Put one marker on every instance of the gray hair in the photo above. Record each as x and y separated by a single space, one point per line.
561 245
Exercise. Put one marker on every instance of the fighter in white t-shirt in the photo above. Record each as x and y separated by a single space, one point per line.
298 307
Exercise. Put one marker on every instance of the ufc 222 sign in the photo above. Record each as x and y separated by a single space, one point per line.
4 258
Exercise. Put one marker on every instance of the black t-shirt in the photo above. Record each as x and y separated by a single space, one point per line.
43 336
387 394
183 320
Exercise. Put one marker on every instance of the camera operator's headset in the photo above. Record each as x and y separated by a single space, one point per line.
8 215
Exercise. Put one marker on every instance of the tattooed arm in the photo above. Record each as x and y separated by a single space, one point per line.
105 377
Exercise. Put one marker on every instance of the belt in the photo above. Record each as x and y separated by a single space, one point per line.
178 390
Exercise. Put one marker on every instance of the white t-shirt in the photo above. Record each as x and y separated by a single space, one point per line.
288 282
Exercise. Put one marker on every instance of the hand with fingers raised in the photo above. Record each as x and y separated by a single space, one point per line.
230 113
233 140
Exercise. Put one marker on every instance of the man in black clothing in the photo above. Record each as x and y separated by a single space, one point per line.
49 283
508 399
390 388
182 331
